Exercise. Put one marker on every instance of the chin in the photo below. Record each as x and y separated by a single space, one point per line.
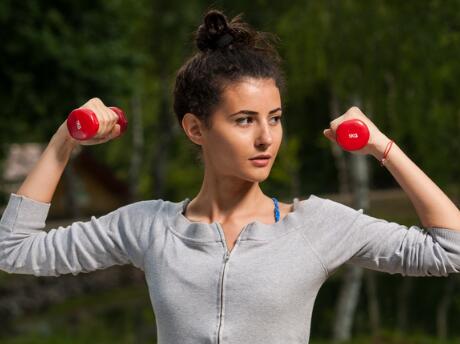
258 177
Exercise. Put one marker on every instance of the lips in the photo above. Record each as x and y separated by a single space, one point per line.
260 162
261 157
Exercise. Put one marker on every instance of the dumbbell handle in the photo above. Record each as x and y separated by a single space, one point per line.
83 124
352 134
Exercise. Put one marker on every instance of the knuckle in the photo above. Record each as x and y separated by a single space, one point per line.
110 118
113 116
354 109
334 122
96 100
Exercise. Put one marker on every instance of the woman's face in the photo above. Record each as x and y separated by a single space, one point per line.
246 123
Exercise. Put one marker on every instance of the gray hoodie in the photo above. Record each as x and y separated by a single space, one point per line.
263 291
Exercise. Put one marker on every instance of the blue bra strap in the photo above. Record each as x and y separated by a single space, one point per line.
277 211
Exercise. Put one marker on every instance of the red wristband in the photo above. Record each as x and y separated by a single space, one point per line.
385 154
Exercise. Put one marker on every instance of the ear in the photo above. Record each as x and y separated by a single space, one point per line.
193 128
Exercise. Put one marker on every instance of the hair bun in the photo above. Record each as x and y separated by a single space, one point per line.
217 32
214 33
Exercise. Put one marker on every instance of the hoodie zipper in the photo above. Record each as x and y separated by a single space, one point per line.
226 258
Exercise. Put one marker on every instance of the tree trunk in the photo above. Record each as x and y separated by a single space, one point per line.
347 302
403 300
443 308
138 145
349 293
373 304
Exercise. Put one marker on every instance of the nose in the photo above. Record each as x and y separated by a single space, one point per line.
264 135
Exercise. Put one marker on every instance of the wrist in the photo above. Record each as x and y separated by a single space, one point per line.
379 146
64 136
63 142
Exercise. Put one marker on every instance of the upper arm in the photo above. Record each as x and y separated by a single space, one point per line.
410 251
357 238
117 238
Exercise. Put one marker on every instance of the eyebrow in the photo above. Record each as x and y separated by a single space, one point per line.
253 113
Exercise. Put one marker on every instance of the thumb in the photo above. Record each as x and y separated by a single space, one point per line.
329 134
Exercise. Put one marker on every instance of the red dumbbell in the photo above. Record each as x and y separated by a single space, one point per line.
352 134
83 123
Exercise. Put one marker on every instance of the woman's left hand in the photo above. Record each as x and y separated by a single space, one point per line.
377 140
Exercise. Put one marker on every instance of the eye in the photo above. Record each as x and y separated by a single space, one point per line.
239 120
242 119
278 118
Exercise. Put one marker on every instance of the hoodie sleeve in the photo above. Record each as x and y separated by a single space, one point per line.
117 238
353 237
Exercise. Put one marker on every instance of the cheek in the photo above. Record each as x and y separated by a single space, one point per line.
230 149
280 138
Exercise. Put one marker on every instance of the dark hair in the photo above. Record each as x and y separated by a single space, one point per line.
228 52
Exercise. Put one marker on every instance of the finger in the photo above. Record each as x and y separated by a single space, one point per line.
112 116
98 107
354 111
329 134
115 131
335 123
102 118
105 115
110 120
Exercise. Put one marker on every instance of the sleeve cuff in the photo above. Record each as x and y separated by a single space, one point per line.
446 233
25 212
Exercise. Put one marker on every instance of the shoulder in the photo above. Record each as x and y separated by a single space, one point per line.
332 211
342 204
146 205
340 214
339 205
144 209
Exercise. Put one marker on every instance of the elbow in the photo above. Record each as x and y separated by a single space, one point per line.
451 222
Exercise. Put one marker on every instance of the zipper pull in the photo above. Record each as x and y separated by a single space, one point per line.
226 256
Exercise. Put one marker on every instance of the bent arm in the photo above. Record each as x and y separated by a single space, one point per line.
388 246
40 184
410 251
433 206
117 238
381 245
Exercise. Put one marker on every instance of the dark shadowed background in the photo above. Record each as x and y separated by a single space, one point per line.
397 60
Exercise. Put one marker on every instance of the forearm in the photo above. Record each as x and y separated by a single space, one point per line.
432 205
40 184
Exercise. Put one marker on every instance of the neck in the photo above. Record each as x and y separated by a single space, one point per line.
224 197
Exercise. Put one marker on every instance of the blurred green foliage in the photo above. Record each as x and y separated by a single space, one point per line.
397 60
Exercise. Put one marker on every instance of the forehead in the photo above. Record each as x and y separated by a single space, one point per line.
251 93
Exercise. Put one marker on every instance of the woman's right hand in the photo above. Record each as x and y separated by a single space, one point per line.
108 127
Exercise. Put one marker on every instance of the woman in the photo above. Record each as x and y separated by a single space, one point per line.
232 265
